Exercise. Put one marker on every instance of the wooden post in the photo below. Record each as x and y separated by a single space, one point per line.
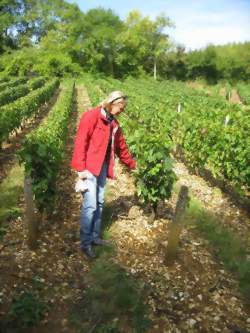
31 218
176 226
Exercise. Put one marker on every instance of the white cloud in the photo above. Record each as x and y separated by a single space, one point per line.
197 27
197 38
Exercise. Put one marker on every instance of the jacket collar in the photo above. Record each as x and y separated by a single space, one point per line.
103 113
104 116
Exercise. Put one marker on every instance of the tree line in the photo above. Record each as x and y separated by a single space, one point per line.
53 37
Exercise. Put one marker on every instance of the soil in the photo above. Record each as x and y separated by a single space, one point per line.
235 98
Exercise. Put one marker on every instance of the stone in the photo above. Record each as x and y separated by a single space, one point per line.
134 212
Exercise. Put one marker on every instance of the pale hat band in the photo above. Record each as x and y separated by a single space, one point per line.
114 96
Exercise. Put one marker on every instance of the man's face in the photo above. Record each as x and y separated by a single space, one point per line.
118 106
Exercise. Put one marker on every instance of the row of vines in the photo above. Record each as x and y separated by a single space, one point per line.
160 117
212 133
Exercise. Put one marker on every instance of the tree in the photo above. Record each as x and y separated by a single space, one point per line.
9 12
160 43
98 40
174 65
142 42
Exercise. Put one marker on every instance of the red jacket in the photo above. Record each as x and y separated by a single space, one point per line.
92 140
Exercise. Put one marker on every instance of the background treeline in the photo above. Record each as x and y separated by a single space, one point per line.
229 62
56 38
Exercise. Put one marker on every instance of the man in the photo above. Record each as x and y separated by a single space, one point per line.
98 139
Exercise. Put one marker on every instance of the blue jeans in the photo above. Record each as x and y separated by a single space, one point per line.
91 209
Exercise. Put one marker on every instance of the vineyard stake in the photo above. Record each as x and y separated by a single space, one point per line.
31 219
176 226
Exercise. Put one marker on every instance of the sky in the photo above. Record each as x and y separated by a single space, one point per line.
197 22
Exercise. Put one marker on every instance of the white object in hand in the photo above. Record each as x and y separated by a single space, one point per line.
81 185
84 174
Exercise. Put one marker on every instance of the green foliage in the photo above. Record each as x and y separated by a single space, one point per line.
43 149
229 248
26 311
56 65
173 65
112 327
3 230
20 63
40 62
154 177
213 133
203 64
114 294
56 38
11 189
12 115
244 92
213 64
12 83
10 93
100 28
96 95
4 79
69 41
141 43
36 83
8 17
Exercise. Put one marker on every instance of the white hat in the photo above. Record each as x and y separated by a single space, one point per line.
113 96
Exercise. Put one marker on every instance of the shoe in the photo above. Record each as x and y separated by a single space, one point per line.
89 252
100 241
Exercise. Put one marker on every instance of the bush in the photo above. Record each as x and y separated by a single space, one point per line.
32 61
19 63
26 311
57 65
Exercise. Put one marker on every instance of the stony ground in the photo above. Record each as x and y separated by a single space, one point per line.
195 294
217 202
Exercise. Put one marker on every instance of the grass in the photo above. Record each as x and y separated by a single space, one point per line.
227 245
10 190
26 310
113 301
